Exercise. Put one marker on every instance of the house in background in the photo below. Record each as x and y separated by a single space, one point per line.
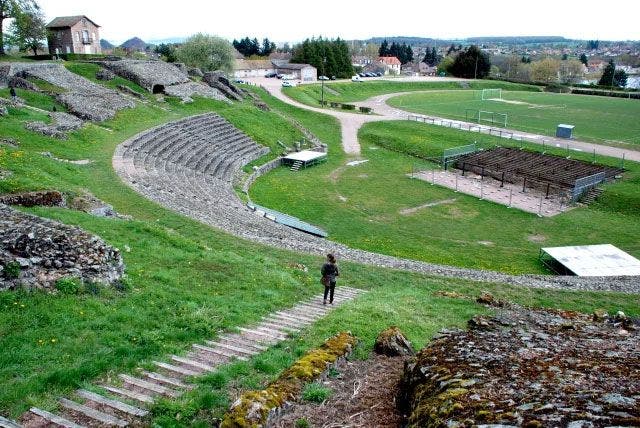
427 70
391 64
73 34
303 72
253 68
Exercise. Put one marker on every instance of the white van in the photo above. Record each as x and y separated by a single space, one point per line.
356 78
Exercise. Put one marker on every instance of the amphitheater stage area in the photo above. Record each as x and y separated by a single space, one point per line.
590 260
305 158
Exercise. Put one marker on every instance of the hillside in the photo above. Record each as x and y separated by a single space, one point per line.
135 44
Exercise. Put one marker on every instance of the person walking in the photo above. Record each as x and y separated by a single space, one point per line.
329 273
12 92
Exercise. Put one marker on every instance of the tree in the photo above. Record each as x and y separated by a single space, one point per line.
330 57
471 63
167 51
593 45
11 9
27 31
545 70
267 47
431 57
612 77
584 59
384 48
571 71
207 53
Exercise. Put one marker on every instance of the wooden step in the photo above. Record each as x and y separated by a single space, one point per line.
222 352
273 319
262 333
303 312
317 309
114 404
295 317
285 319
54 419
239 340
193 363
150 386
172 381
273 332
8 423
102 418
274 324
143 398
176 369
234 348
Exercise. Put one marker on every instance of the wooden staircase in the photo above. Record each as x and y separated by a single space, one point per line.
296 166
125 402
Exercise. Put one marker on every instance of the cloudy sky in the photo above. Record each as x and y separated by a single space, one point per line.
357 19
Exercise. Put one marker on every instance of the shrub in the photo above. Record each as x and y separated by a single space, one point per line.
348 107
302 423
365 109
334 104
11 270
68 285
315 392
557 88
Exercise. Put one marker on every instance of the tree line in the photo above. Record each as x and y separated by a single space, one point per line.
329 57
251 47
401 51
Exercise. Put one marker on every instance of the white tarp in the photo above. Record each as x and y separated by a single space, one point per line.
595 260
305 156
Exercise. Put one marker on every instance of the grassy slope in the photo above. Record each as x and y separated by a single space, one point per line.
452 233
597 119
354 91
187 281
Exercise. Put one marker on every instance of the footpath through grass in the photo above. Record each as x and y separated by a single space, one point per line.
602 120
345 92
362 206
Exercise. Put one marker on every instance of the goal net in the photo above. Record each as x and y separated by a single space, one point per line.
492 117
491 94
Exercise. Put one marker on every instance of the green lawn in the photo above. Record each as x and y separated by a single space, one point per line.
602 120
345 92
188 282
360 206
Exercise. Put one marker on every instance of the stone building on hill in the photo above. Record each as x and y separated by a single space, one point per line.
73 34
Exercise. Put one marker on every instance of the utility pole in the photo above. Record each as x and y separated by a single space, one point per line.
324 60
475 72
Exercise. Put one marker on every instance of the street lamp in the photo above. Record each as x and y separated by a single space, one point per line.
324 60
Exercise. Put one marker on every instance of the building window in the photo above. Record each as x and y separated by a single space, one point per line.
78 36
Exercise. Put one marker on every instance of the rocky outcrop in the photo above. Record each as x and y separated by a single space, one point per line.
217 80
19 82
532 368
62 123
190 89
82 97
154 76
194 72
105 74
36 252
44 198
392 343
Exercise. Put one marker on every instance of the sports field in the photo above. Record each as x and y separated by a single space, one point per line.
603 120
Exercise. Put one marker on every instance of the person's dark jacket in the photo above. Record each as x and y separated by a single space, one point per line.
330 270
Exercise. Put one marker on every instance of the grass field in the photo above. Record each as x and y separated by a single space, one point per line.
361 205
597 119
345 92
188 282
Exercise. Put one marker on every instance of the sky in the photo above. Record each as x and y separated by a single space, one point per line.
293 21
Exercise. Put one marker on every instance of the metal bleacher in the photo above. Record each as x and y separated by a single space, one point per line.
287 220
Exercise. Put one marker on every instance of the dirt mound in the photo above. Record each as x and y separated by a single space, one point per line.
528 368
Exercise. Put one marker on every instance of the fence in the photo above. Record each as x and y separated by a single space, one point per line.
456 152
582 185
498 132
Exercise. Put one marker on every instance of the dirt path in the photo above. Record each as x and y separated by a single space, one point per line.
351 122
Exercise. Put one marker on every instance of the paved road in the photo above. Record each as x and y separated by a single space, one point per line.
351 122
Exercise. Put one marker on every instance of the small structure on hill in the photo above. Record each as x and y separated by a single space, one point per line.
73 34
304 158
590 260
564 131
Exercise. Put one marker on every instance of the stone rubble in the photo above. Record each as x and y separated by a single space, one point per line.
62 123
19 82
177 182
105 74
47 251
530 368
217 80
83 98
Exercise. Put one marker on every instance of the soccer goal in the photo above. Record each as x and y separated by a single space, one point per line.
490 94
492 117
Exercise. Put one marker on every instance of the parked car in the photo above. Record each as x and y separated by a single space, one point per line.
361 74
332 77
271 74
238 81
288 84
323 78
379 74
356 78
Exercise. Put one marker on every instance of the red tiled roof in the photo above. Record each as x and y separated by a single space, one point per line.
389 60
